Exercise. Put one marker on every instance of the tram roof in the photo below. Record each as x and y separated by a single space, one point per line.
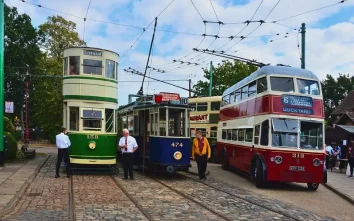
100 49
148 104
273 70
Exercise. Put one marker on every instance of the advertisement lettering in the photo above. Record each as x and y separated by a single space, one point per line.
199 118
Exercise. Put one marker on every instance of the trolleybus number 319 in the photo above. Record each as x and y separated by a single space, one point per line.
298 155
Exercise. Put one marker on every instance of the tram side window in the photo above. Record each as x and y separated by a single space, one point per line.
282 84
92 120
65 66
213 131
262 85
244 92
215 106
110 69
234 134
176 122
265 133
241 135
74 118
193 106
249 135
74 63
256 134
109 116
162 126
202 106
252 89
93 67
308 87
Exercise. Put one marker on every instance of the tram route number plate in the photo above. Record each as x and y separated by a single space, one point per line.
92 136
297 168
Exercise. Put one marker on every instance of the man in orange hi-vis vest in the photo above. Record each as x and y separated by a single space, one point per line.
201 153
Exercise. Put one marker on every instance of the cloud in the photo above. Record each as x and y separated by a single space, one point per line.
328 49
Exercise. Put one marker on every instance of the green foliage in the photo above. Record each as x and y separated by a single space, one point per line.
21 51
8 126
18 135
11 146
58 34
20 155
225 75
334 91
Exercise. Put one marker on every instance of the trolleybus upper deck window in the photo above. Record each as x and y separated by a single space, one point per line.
110 69
226 100
244 92
262 85
282 84
238 96
284 132
252 89
215 106
92 67
308 87
74 65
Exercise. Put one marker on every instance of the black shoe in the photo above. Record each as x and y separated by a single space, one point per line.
57 176
68 176
124 178
132 178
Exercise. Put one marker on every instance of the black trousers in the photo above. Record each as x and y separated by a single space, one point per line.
127 161
202 165
63 153
351 165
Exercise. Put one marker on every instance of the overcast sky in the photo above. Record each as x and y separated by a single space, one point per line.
329 34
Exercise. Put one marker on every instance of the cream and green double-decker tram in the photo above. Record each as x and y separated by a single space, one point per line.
90 102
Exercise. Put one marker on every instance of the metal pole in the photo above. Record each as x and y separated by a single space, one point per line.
26 130
2 103
190 88
303 31
211 79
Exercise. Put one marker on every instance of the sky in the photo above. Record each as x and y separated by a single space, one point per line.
180 28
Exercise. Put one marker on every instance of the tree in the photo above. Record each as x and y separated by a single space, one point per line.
58 34
225 75
21 53
334 91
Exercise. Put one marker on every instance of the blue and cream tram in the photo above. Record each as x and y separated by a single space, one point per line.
159 123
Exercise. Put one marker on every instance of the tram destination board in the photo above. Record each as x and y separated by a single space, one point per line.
299 101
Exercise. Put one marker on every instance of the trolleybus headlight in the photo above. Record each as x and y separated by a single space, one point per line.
177 155
316 162
278 159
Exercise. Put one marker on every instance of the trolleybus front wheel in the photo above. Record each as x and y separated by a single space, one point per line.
313 186
258 174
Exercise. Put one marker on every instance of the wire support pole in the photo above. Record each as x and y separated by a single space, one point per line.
141 91
303 31
2 52
211 79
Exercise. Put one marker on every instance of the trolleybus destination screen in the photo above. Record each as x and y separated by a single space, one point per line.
297 104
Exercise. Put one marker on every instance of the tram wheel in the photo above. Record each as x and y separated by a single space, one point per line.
258 174
313 186
224 163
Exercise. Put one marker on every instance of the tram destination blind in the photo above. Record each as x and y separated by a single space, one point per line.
93 53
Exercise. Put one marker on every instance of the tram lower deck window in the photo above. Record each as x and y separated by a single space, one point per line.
92 124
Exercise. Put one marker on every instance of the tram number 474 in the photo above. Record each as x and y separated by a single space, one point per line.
176 144
298 155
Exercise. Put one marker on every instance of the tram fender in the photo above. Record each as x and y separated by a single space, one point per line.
257 156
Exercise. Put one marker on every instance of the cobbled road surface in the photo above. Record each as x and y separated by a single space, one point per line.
148 197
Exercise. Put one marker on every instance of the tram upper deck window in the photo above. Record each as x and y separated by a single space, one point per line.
110 69
74 65
284 132
176 122
92 120
202 106
282 84
308 87
93 67
193 106
215 106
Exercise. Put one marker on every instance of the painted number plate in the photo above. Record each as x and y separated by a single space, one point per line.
297 168
92 136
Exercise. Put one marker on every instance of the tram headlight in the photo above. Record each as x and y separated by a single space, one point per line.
92 145
177 155
278 159
316 162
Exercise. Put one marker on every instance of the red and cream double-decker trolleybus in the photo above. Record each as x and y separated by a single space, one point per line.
271 126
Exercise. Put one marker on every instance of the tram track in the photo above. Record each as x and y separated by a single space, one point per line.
243 198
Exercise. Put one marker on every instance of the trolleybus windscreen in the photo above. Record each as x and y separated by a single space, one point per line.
311 135
284 132
282 84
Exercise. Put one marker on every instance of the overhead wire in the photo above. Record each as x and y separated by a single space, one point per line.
83 36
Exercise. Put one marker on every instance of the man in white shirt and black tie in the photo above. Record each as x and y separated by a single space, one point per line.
128 146
63 143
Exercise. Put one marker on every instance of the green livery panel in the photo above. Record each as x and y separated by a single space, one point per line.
93 146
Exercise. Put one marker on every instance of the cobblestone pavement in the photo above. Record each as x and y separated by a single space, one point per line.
45 199
99 198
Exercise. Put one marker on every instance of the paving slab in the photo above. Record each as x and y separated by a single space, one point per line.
341 184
